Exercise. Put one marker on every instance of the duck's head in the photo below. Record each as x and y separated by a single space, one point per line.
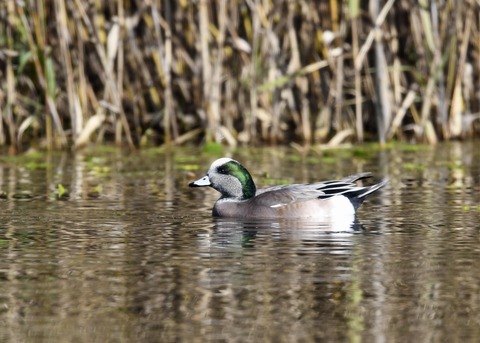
230 178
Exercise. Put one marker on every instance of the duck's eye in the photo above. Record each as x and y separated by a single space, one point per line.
222 170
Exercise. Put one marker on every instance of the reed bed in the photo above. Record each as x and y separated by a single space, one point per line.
238 72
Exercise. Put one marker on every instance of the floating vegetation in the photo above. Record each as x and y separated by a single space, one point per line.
22 196
403 146
188 167
326 159
95 193
212 148
470 208
413 166
62 193
33 165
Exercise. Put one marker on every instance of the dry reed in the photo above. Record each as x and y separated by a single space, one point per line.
243 71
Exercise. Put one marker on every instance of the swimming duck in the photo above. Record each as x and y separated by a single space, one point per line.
316 201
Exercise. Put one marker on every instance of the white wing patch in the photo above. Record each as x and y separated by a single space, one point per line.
277 205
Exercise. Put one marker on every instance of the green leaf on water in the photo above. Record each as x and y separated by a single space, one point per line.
470 208
61 191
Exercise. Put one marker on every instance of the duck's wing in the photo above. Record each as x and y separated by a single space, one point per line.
288 194
275 197
349 179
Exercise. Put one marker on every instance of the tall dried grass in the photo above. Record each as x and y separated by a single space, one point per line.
242 71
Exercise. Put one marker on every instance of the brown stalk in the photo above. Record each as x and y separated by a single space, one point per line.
358 82
455 120
76 114
212 122
166 57
216 93
251 119
34 44
382 83
11 92
397 120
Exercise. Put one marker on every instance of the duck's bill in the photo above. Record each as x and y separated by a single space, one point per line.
204 181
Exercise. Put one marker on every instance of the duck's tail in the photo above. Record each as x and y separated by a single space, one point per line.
359 195
347 187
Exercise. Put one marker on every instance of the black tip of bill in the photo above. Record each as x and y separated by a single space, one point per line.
204 181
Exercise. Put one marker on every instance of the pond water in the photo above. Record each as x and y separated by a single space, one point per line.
131 254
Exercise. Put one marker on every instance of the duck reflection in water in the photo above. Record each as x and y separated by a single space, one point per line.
246 233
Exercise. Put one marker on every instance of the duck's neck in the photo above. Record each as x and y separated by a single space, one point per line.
248 186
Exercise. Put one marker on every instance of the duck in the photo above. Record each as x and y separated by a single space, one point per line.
314 201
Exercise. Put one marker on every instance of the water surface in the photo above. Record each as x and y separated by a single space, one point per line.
132 254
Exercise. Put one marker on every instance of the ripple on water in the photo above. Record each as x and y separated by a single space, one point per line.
146 263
